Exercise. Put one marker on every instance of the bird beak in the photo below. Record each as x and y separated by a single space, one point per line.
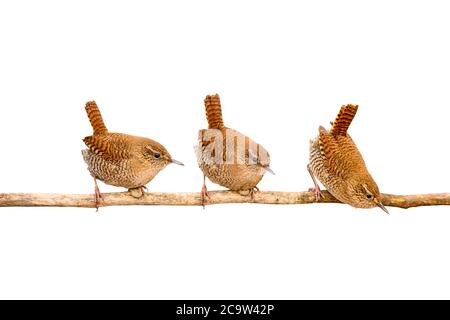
177 162
269 170
379 204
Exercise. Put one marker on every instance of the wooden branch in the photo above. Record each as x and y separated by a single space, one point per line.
194 199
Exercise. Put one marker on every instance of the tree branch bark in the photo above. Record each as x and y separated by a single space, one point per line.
194 199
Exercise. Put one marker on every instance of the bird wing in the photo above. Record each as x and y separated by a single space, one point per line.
340 153
109 146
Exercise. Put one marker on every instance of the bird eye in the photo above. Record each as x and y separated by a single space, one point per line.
369 196
157 155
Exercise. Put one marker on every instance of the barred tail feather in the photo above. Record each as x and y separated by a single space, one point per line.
214 112
95 118
343 120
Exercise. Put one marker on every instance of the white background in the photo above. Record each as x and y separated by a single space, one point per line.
282 68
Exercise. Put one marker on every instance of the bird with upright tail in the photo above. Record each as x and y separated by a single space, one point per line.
228 157
337 163
120 159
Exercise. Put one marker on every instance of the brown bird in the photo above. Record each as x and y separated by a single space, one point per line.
120 159
228 157
337 163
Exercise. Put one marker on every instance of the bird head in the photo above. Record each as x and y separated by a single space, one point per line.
158 155
368 195
260 158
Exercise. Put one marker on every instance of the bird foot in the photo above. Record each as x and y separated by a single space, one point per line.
137 192
98 198
97 195
204 195
144 189
317 193
244 193
253 191
316 188
249 192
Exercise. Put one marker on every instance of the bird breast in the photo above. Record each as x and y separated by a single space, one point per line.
127 173
224 158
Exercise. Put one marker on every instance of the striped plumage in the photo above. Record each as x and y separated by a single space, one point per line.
241 171
213 110
337 163
123 160
120 159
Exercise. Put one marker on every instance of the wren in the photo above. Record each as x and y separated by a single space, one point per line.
228 157
120 159
337 163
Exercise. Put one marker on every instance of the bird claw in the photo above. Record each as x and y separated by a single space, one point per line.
98 198
204 195
249 192
253 191
137 192
143 189
317 193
